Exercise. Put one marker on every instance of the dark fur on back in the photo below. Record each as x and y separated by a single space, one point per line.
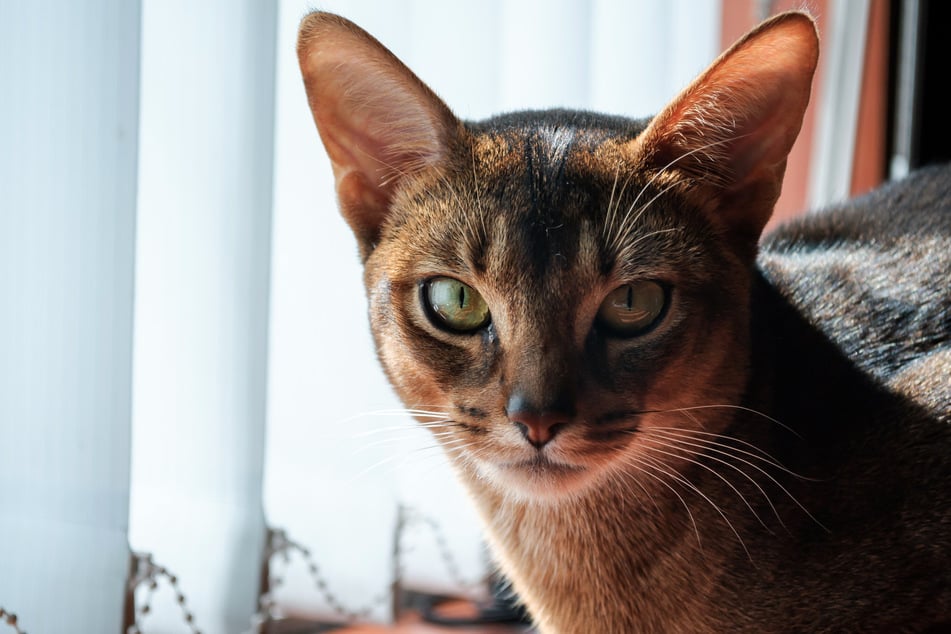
873 274
852 328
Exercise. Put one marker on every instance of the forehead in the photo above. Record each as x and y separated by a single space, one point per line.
543 191
546 154
531 195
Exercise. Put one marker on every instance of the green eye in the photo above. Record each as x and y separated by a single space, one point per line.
631 309
455 305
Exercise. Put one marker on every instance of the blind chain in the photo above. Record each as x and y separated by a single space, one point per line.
279 544
413 517
9 618
147 574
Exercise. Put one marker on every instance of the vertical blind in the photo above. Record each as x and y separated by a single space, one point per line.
69 113
201 307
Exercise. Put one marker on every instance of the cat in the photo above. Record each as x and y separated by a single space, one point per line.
666 423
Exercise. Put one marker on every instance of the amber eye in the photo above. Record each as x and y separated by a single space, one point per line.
633 308
455 305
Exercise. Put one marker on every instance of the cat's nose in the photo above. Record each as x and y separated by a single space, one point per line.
538 425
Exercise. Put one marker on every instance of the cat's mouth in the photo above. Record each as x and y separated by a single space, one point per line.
540 465
538 477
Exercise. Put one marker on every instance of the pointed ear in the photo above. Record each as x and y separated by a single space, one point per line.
379 123
728 134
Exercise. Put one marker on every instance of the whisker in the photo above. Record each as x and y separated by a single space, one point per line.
478 193
455 442
739 407
629 221
696 490
676 160
647 436
639 464
379 443
627 479
762 456
701 148
410 426
646 236
401 439
392 412
376 465
609 217
403 458
677 445
697 422
765 473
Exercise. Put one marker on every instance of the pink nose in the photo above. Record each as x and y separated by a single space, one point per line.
537 426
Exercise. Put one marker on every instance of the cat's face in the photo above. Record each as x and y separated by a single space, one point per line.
551 304
555 288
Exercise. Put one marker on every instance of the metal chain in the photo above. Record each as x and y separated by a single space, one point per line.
412 516
148 573
9 618
278 543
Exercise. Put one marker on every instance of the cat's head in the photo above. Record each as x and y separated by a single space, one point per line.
556 284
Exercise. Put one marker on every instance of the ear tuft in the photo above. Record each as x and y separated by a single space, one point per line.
729 133
379 123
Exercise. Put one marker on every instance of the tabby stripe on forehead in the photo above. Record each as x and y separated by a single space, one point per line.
550 169
534 226
476 244
530 177
561 141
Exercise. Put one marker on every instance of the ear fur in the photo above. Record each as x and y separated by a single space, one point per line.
729 133
379 123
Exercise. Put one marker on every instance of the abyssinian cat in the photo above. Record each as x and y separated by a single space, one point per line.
666 423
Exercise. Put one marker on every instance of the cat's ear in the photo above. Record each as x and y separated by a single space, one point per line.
379 123
728 134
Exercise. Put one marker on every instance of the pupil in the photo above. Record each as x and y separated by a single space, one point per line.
630 298
462 297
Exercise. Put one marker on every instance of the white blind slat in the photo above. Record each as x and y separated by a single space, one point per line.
68 148
202 305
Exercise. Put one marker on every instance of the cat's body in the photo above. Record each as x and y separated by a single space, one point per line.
846 303
662 434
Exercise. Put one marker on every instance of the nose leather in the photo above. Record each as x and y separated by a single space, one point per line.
538 425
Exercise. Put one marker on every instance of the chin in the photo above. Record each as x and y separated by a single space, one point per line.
538 479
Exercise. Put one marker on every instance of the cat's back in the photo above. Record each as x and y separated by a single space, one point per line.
918 205
873 275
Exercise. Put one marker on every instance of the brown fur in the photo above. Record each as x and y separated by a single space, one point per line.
736 467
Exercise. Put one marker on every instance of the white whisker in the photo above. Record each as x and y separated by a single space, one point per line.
716 439
412 426
639 464
696 490
715 446
629 221
404 458
625 482
647 437
739 407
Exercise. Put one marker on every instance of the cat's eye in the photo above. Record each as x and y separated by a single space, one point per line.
633 308
454 305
